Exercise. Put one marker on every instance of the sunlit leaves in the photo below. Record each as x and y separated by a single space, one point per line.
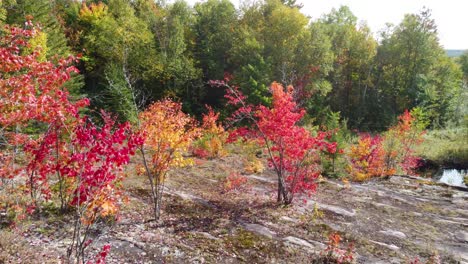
293 152
211 143
168 134
98 158
377 156
367 159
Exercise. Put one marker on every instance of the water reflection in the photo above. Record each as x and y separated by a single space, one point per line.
453 177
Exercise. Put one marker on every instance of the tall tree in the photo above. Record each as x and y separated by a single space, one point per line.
114 38
413 70
273 42
213 31
216 20
171 26
354 49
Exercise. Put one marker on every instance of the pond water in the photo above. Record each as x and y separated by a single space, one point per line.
453 177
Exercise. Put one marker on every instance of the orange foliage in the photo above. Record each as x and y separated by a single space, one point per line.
400 141
384 156
168 133
233 182
368 159
211 144
333 253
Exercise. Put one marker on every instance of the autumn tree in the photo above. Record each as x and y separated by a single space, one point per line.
168 133
46 141
95 166
33 99
293 152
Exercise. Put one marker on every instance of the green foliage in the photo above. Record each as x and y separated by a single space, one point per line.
119 94
445 146
215 22
3 13
42 12
334 164
463 60
119 52
413 70
173 50
354 49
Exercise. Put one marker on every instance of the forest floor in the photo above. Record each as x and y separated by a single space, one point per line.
387 221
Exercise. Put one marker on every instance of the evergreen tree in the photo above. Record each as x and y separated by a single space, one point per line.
44 13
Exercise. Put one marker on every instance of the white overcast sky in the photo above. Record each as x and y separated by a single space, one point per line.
451 16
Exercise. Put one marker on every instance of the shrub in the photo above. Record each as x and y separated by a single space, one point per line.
292 151
211 143
45 139
400 142
367 159
168 135
377 156
234 182
334 254
334 163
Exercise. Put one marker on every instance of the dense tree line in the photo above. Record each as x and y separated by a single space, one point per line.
135 52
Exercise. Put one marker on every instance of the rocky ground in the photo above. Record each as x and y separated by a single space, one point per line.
387 221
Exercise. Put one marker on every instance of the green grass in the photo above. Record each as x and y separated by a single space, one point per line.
446 147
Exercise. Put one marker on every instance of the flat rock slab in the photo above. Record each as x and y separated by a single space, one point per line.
260 178
194 198
393 233
298 241
206 235
289 219
376 204
335 209
259 229
462 236
392 247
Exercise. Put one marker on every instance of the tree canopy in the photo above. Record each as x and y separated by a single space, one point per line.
136 52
